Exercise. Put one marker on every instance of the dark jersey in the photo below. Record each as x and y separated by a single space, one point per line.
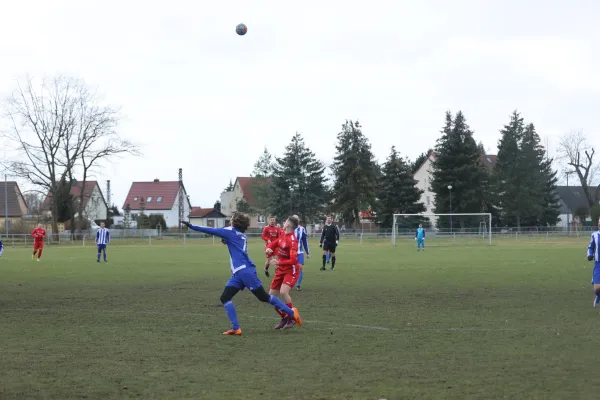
331 233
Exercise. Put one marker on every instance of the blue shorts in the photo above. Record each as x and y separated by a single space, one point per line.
301 258
596 273
101 247
245 278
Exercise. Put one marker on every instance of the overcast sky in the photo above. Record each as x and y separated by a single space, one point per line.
197 96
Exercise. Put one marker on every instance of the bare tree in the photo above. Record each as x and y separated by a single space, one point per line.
578 155
58 129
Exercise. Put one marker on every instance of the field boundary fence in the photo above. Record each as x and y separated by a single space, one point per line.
151 237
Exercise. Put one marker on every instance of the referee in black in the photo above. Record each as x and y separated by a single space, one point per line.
329 241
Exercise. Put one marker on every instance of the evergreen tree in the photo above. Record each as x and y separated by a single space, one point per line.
355 173
509 173
262 185
397 191
298 183
459 164
525 182
217 205
542 180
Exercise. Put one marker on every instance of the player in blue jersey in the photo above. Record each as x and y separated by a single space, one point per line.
420 237
593 254
102 240
243 270
300 233
1 247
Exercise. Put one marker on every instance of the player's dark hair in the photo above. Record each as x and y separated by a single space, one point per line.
240 221
293 221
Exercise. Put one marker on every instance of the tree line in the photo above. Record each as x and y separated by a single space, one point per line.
520 189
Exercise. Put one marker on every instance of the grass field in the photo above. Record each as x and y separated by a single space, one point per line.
508 321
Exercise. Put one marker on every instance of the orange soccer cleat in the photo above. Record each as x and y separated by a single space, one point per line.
297 317
233 332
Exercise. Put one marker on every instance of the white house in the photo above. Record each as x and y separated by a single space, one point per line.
210 217
94 204
574 206
158 197
242 189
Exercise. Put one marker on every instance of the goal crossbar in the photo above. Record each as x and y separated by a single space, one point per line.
488 215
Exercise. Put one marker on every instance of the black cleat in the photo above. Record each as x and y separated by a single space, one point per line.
322 268
267 272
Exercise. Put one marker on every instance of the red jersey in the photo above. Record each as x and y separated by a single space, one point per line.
286 250
270 233
38 235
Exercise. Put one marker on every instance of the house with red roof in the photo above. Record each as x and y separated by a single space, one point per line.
210 217
158 197
242 190
94 204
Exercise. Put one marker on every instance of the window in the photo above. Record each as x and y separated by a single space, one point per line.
159 199
135 198
149 199
261 219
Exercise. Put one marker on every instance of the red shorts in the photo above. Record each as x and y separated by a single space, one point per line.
38 245
286 276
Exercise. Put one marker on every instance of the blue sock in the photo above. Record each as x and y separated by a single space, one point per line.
275 302
98 256
231 314
328 256
300 278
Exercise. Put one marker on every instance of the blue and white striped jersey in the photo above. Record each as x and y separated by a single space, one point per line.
300 233
237 244
1 247
102 236
594 248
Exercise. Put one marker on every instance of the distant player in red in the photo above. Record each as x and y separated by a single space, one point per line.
270 234
38 235
288 270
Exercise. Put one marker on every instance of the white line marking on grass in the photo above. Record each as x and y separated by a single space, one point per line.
330 325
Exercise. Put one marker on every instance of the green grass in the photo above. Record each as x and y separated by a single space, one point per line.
456 322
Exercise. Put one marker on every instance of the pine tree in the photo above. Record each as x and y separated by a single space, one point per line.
262 185
458 164
298 183
544 204
509 173
229 187
397 191
355 173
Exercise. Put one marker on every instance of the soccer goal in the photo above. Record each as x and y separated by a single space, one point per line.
441 229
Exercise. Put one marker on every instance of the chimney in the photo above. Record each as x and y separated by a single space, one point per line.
156 180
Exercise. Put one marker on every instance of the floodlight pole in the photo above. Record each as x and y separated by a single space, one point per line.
5 205
450 190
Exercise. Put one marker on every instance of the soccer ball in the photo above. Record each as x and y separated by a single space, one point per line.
241 29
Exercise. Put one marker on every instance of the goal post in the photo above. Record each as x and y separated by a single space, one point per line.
405 225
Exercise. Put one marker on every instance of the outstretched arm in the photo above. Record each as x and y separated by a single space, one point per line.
322 236
220 232
337 234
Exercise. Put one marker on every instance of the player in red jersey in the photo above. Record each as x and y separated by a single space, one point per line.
270 234
38 235
288 270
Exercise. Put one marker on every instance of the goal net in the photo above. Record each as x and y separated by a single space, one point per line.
443 229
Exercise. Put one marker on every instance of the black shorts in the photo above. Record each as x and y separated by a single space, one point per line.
329 247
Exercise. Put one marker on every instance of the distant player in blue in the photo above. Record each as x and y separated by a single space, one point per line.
243 270
1 248
302 248
593 254
420 237
102 239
